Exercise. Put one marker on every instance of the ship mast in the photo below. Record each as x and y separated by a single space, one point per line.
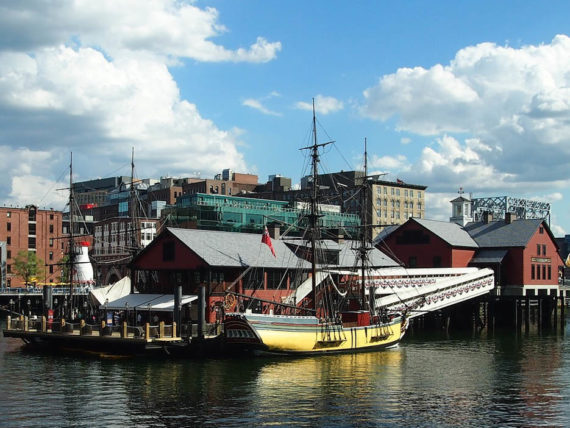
71 256
364 248
133 201
133 214
314 215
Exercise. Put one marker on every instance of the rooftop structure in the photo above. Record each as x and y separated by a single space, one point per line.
498 206
240 214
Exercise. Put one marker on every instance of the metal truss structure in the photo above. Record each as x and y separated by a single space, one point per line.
498 206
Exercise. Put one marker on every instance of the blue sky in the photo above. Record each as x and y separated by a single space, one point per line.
448 94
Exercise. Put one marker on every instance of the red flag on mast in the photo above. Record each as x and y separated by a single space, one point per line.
266 239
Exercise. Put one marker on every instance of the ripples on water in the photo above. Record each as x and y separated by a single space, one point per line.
430 380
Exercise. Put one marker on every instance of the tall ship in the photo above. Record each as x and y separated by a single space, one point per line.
331 311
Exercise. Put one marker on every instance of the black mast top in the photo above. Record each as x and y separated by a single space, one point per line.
314 216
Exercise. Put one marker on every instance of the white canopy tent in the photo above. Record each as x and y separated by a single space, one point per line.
146 302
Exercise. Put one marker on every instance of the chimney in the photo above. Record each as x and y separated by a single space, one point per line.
487 217
510 217
274 231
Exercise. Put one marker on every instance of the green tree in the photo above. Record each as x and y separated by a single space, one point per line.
28 266
65 265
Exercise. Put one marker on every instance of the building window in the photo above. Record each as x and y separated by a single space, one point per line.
31 242
541 230
8 214
9 269
537 271
543 271
411 193
538 249
8 254
8 240
51 216
544 249
51 255
51 242
168 251
32 215
51 228
532 274
50 268
32 229
8 227
549 272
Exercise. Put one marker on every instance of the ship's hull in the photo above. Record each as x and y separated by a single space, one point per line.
299 335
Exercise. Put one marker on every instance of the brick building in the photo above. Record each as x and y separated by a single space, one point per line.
30 229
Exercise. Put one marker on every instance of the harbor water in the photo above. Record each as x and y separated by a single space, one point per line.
502 379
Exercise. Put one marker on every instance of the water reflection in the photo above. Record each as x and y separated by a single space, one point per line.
500 379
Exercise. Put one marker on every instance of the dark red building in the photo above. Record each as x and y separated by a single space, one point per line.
523 253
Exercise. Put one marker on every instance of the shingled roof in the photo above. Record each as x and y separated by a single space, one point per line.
231 249
498 234
452 233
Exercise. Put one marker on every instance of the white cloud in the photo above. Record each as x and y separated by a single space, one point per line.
388 163
129 27
257 105
405 140
93 78
323 105
500 118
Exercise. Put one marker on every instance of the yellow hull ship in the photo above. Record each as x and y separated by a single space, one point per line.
339 320
287 334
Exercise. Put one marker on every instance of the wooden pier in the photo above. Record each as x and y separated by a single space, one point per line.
123 339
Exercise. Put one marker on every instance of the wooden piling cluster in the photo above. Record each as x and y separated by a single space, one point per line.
519 312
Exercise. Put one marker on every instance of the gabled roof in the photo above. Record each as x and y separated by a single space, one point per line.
384 233
452 233
232 249
461 199
497 234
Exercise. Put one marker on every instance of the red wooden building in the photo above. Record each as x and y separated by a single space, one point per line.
523 253
219 260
